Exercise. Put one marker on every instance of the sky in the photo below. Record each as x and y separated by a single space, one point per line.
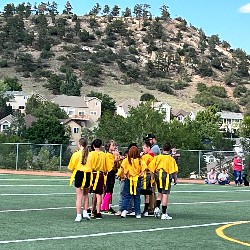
229 19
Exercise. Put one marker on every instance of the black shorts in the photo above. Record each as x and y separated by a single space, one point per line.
164 190
110 182
148 190
100 184
79 179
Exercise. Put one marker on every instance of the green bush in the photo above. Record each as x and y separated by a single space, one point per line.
163 87
218 91
180 85
3 63
45 54
201 87
239 91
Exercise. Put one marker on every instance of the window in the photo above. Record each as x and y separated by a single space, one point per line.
71 111
5 126
93 112
21 107
73 143
76 130
81 113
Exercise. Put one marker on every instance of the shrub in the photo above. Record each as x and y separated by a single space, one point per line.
218 91
239 90
3 63
163 87
45 54
201 87
180 85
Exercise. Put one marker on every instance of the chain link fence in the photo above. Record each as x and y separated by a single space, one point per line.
55 157
21 156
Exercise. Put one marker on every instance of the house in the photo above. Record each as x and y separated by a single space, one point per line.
124 108
82 109
75 129
17 100
231 121
5 123
180 115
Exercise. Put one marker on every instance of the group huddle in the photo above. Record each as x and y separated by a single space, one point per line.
139 174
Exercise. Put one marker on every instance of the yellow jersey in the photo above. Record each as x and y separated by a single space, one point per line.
97 161
134 169
76 163
147 158
163 162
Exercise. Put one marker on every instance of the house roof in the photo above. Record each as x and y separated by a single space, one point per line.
128 104
70 101
159 104
15 93
8 118
230 115
179 112
29 119
65 121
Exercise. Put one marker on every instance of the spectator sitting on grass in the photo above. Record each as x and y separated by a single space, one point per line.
211 177
223 177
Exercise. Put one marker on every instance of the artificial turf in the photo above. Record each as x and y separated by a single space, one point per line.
39 207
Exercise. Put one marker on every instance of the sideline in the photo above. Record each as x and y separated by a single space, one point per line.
174 203
68 174
113 233
220 232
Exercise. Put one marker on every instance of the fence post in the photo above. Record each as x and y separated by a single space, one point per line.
60 166
17 149
199 171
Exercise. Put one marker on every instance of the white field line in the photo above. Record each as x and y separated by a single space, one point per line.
114 233
35 209
49 194
44 194
174 203
212 191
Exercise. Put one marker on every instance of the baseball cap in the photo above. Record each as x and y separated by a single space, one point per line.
149 136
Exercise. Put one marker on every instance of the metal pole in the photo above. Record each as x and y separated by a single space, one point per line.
60 166
17 149
199 171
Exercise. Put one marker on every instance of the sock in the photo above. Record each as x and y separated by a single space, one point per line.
164 209
146 208
78 215
158 203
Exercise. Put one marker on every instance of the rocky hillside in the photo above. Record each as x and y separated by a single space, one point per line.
123 56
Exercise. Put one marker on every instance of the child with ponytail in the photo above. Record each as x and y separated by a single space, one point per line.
83 179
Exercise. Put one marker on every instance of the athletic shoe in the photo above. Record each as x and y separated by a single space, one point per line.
78 218
166 217
124 214
138 216
85 215
98 216
93 215
132 213
118 213
145 214
150 212
157 212
111 211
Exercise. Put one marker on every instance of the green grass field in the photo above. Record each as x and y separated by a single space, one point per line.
37 212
